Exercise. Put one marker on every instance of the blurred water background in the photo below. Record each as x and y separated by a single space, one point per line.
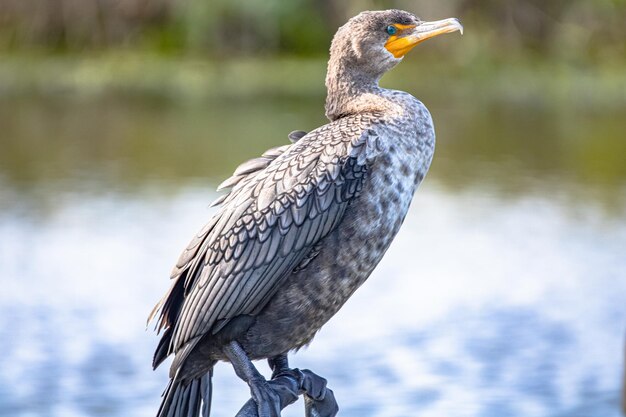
504 294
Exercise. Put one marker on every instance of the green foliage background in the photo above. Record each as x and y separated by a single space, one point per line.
567 29
510 48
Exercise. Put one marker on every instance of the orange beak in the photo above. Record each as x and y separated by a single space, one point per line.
400 44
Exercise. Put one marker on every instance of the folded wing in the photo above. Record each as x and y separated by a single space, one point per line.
280 206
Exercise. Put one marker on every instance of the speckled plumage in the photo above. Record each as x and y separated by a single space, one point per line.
304 225
352 250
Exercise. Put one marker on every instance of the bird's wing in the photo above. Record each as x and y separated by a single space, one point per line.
243 174
266 225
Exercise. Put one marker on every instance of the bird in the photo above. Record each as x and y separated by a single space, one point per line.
302 226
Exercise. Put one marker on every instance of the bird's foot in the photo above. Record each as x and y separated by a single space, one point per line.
313 385
321 408
284 388
319 401
267 398
266 395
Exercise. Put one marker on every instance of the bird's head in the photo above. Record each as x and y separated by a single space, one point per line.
367 46
373 42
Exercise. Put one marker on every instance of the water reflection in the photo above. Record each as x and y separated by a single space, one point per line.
502 296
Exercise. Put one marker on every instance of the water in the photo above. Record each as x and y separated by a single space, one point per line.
503 294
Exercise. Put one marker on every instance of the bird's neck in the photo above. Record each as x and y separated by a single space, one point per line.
351 92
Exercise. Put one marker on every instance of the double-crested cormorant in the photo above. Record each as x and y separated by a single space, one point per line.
304 225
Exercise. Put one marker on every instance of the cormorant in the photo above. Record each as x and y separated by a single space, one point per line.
303 226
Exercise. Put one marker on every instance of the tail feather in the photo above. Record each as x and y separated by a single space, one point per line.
206 387
187 398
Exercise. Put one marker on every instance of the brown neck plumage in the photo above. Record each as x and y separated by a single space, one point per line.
346 90
352 76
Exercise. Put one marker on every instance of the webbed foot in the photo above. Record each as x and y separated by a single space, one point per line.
266 398
319 401
282 390
269 397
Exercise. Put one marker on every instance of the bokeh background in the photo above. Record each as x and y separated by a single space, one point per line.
504 295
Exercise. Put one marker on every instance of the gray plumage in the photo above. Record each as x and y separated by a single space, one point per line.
302 226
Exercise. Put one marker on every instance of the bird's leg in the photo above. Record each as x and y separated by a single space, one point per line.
267 400
279 365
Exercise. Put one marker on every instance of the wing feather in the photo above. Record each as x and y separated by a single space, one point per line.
279 208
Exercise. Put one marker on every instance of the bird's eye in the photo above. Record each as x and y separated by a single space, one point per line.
391 29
